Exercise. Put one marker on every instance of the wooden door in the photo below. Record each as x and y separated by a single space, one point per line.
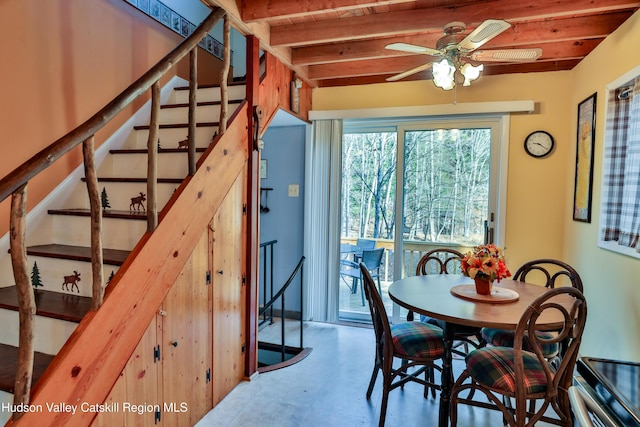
133 400
228 293
186 357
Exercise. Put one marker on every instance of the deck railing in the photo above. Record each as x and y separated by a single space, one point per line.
413 251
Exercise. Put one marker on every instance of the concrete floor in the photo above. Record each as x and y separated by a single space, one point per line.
328 388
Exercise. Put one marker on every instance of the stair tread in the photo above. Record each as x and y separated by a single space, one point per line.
106 213
57 305
9 357
118 179
78 253
178 125
200 104
209 86
160 151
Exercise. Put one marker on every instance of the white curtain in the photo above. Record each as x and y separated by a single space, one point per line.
620 221
322 217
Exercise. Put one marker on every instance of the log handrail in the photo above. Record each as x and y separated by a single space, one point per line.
43 159
15 184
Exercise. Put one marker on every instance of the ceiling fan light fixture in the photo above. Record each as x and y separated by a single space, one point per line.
470 73
443 74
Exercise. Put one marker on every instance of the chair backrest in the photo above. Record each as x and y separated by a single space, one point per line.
551 270
384 350
574 319
366 244
372 258
440 261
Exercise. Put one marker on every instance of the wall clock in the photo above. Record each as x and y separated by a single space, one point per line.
539 144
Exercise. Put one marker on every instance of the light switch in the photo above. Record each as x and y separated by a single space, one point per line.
294 189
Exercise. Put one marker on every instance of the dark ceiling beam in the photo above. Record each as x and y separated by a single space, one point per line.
565 50
426 75
255 10
371 25
527 34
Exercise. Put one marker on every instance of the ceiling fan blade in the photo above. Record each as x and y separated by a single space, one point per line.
410 72
482 34
412 48
506 55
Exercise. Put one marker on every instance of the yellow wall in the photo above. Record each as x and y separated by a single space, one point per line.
536 194
540 191
611 280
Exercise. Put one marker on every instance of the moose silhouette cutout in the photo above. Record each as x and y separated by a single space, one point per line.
184 143
136 202
71 280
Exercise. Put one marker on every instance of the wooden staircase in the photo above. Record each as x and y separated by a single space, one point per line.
59 244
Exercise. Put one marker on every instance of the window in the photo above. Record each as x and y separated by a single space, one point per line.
620 207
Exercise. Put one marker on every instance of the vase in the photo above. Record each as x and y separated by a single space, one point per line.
483 285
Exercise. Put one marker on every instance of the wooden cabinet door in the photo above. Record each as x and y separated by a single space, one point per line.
228 293
186 357
133 400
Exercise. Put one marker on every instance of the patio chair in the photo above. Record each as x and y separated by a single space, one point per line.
364 245
372 259
418 344
522 373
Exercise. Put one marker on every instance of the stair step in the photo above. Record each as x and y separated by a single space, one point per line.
107 213
200 104
160 180
9 365
160 151
178 125
56 305
77 253
210 86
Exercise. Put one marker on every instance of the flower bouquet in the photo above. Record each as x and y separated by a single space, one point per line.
484 265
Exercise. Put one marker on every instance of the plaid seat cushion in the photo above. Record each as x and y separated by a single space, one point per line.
494 367
417 339
503 338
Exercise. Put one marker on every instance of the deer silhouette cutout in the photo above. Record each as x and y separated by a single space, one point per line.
71 280
136 202
184 143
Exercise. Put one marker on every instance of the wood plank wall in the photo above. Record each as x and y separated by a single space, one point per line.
198 330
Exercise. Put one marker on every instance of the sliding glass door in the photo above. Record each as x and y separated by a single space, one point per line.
409 187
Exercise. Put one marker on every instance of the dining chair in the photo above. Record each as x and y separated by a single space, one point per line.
447 261
547 272
351 270
418 344
521 372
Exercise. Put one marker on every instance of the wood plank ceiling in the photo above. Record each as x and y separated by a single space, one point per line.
341 42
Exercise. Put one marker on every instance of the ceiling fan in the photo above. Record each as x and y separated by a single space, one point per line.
455 46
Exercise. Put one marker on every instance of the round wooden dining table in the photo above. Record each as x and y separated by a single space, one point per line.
432 296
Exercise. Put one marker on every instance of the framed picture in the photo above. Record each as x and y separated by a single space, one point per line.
184 29
165 15
175 22
154 9
584 159
143 5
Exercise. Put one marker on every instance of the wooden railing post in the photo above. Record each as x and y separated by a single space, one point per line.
224 76
193 89
26 299
91 176
152 159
